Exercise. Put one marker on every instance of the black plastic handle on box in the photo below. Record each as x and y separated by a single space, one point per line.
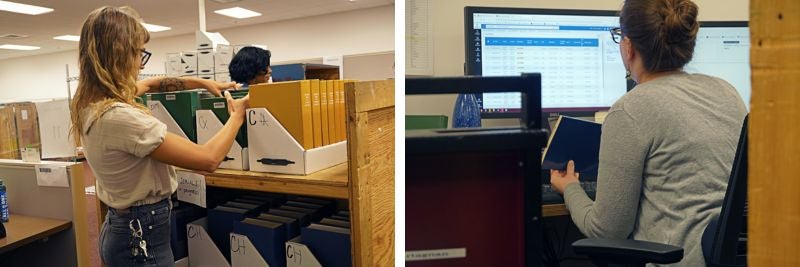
529 84
276 162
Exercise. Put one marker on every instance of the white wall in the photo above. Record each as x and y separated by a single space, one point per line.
354 32
448 25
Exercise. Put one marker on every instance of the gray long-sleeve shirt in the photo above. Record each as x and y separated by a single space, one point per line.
665 159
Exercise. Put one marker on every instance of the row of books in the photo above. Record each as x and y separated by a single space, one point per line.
269 221
312 111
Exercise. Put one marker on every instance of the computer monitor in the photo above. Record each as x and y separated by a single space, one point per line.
580 64
723 50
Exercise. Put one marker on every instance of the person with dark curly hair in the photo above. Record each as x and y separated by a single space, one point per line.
250 66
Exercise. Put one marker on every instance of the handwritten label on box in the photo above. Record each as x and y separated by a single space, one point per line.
298 255
192 188
244 254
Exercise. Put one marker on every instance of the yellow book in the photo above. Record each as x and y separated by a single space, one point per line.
290 103
316 115
332 112
323 92
342 110
337 113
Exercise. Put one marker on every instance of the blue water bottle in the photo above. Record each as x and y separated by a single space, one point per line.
3 202
466 113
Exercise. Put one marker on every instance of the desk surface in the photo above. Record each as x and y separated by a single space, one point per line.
21 230
553 210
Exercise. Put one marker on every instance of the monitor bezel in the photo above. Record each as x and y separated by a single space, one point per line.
725 24
469 68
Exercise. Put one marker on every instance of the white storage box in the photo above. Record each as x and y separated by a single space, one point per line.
273 149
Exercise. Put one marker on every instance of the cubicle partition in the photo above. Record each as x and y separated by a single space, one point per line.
33 201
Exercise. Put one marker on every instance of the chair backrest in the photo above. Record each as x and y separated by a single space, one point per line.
733 216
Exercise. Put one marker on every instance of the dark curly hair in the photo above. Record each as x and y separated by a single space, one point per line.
247 63
663 31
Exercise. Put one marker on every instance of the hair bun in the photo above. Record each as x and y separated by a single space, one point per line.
680 22
663 31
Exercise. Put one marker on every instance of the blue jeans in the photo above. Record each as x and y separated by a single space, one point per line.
125 231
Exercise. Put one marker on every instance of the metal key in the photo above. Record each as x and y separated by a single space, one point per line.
143 246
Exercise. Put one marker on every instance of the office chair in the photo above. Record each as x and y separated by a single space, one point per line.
722 241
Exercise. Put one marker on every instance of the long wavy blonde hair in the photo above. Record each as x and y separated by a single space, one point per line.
109 54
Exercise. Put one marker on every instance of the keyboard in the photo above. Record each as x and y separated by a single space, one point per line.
551 196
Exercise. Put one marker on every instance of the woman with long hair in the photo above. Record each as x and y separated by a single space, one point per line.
130 152
667 145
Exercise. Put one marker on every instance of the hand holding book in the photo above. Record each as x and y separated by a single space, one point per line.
560 179
574 147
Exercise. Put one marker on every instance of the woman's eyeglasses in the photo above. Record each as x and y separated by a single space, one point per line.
145 57
616 34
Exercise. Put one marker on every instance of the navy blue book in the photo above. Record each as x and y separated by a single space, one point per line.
317 213
344 213
329 244
182 214
220 225
292 225
263 204
324 210
302 218
334 222
577 140
339 217
274 199
268 237
252 209
330 204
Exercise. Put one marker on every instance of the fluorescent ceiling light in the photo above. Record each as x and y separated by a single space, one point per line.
73 38
18 47
238 12
23 8
155 28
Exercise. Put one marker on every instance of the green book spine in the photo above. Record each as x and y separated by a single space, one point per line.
182 107
219 106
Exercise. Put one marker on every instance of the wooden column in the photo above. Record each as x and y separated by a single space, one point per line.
370 140
774 185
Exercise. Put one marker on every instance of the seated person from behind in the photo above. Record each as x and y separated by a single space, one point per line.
667 146
250 66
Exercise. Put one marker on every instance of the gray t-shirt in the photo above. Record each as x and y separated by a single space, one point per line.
117 147
665 159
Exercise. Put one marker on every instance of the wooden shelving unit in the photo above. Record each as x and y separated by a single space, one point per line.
329 183
366 180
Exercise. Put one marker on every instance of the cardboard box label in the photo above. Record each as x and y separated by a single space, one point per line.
25 115
219 105
298 255
52 175
244 254
436 254
192 188
170 97
202 250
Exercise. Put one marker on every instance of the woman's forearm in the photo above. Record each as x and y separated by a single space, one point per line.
171 84
221 143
